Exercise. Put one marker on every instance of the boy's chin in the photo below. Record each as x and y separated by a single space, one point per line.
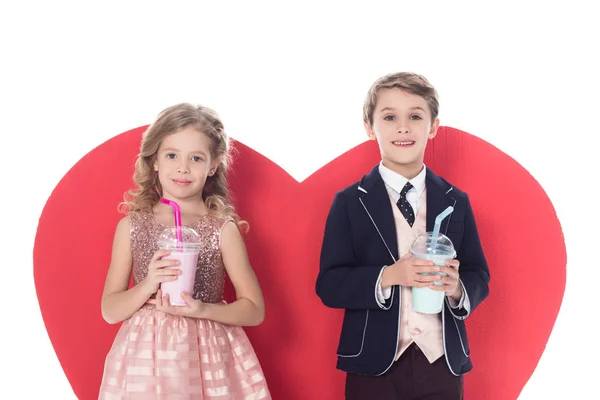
402 162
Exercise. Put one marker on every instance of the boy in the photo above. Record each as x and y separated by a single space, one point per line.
388 350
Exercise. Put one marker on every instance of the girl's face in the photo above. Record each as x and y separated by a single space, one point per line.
183 163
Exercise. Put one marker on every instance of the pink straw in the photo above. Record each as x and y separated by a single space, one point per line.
177 212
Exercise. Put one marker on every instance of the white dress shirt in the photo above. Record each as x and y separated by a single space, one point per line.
394 183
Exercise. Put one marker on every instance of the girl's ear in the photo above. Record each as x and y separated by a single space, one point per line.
214 165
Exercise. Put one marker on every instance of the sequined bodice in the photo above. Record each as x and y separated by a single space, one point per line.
210 272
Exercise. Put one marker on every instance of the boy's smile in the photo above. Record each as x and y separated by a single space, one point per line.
402 124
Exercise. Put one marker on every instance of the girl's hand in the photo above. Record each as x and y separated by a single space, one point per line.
158 271
193 308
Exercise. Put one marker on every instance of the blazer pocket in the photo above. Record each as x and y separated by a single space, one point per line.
353 332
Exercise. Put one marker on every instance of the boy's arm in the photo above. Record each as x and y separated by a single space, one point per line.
473 270
341 282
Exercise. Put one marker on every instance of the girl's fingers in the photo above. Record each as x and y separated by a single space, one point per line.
168 272
159 298
160 254
166 301
161 264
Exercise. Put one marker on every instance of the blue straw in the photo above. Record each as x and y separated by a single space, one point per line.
437 224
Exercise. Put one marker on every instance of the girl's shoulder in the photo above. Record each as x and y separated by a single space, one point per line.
141 220
214 220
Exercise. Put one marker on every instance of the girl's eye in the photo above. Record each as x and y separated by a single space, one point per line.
171 156
389 118
415 117
196 158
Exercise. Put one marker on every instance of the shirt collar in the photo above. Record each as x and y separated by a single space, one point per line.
397 181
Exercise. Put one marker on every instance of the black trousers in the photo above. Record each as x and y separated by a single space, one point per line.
411 377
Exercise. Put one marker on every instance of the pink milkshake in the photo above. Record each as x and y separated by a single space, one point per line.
186 252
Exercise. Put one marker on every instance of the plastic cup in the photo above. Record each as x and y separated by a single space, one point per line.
426 300
186 252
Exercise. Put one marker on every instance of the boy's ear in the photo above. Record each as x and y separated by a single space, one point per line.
434 128
370 132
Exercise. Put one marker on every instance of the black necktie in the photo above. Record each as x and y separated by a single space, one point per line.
404 206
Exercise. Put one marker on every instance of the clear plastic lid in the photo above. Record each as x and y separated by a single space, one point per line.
190 240
422 246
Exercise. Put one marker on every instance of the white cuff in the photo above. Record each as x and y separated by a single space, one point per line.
382 294
464 300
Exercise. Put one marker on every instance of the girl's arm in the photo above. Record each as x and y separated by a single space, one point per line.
118 303
249 308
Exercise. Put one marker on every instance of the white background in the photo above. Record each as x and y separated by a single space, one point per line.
522 76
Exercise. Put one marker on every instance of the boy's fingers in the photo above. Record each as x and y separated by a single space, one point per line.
450 272
427 268
425 278
421 262
422 284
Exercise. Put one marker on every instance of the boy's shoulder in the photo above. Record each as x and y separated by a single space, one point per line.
446 186
363 185
350 189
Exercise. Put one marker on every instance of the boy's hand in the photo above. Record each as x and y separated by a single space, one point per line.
407 272
450 283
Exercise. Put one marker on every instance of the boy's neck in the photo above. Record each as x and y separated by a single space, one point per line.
407 171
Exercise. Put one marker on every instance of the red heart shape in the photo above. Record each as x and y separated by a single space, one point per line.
520 232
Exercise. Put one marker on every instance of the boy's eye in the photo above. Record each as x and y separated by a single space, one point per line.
196 158
389 118
415 117
170 156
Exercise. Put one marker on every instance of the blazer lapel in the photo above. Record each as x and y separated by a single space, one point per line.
374 196
439 197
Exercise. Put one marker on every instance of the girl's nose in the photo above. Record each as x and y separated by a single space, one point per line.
182 168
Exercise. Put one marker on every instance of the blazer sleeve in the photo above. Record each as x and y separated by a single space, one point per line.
342 282
473 270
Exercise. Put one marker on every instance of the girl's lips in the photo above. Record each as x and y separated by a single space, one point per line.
181 182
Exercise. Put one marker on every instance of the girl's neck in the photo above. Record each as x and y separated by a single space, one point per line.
189 208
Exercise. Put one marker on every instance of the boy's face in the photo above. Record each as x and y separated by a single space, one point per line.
402 126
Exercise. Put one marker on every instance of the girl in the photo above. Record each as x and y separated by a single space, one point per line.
197 351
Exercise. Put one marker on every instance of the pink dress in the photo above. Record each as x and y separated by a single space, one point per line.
157 355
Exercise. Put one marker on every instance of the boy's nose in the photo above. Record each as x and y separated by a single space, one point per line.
403 129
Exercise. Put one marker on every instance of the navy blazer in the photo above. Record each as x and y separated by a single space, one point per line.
360 238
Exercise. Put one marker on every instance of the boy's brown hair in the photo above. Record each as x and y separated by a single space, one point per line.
407 81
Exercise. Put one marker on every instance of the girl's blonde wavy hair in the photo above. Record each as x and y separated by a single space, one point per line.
148 190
